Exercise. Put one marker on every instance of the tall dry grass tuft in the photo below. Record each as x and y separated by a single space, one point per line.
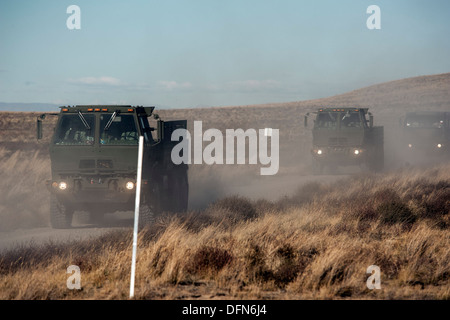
24 198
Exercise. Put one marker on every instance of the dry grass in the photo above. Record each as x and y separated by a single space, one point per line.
315 245
24 196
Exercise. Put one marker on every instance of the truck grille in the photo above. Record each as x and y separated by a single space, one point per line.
87 164
91 164
336 141
104 164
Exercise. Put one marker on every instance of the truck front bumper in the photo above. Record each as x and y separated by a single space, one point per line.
339 155
96 191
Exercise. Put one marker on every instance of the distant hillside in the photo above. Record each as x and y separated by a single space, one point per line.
425 92
387 101
432 91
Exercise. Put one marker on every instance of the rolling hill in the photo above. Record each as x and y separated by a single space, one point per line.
387 100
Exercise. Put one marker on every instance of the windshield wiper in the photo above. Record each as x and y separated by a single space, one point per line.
86 124
346 116
113 116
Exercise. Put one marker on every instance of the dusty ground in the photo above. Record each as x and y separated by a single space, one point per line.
269 188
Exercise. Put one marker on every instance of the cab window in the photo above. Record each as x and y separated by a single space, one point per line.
75 129
326 120
351 120
121 130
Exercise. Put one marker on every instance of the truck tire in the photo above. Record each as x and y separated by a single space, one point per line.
177 192
181 193
60 214
146 216
381 157
96 218
317 168
174 192
376 162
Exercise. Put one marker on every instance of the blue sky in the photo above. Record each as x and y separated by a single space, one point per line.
191 53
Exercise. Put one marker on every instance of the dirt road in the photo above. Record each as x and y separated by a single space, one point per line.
81 230
260 187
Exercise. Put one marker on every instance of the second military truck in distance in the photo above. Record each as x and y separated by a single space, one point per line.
426 134
346 137
93 154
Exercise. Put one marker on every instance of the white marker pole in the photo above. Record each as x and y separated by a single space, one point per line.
136 213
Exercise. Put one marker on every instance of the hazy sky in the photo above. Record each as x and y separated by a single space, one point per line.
190 53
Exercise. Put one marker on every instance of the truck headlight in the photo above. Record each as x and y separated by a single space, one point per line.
130 185
356 152
319 151
439 145
62 185
410 145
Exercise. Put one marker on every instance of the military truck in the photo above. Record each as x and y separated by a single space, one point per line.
346 137
426 133
93 155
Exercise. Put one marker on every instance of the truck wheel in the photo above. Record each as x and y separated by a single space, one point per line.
177 192
60 214
376 163
181 193
96 218
154 198
146 216
333 169
317 168
380 163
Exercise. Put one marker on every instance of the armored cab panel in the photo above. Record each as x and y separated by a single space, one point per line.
94 153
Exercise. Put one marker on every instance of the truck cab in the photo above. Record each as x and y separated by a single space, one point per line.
426 133
346 137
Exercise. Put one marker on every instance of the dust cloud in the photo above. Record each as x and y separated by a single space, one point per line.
25 164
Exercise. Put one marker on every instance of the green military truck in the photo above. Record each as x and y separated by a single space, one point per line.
346 137
426 134
93 155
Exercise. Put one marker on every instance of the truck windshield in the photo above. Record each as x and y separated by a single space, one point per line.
75 130
327 120
430 121
120 131
331 120
350 120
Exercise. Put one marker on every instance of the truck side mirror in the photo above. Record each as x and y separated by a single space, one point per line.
160 130
370 120
39 129
39 126
306 120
